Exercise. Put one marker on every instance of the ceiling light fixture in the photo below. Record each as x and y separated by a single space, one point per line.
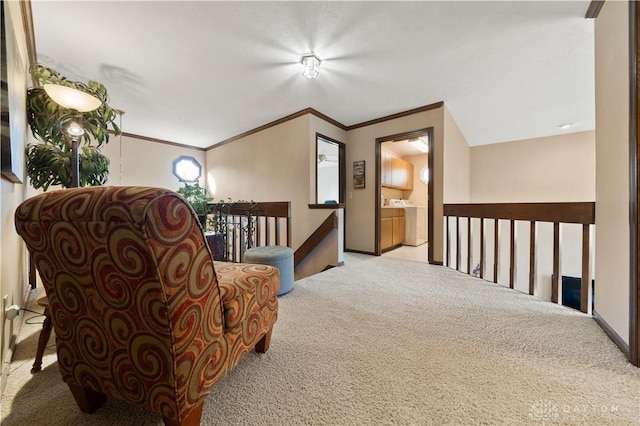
420 144
566 125
311 64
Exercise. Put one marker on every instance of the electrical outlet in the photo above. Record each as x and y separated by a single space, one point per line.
10 312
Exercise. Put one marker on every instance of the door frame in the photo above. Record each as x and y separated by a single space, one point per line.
342 168
378 179
634 166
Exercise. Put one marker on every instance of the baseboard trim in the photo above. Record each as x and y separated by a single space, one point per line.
360 252
615 337
437 262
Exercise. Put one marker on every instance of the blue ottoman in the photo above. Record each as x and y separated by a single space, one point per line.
278 256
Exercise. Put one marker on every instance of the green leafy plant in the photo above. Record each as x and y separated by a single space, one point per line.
49 163
198 198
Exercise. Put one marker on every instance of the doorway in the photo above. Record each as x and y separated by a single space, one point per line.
404 193
330 171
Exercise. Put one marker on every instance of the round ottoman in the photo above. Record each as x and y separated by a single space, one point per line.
279 256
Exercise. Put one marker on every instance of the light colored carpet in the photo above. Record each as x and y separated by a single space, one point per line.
389 342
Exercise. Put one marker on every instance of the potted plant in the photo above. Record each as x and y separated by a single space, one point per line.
49 162
198 198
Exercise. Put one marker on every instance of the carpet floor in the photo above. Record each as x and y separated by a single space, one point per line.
384 341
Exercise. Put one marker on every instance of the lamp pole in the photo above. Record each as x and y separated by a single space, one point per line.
73 134
75 164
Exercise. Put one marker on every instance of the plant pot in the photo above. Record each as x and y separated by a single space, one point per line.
203 220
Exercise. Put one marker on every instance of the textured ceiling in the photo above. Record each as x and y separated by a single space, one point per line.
200 72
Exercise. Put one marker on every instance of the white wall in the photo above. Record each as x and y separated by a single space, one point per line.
612 169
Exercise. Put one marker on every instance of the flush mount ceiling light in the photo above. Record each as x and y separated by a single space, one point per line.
566 125
420 144
311 65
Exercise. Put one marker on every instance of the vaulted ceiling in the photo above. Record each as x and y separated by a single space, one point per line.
198 73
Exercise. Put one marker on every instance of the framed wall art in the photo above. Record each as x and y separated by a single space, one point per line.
13 89
358 174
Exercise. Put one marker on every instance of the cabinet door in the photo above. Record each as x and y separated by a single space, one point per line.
401 174
386 233
385 178
398 230
398 173
409 168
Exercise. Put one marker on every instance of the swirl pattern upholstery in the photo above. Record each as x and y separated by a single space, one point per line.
138 310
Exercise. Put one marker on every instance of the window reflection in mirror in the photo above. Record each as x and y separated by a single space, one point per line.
329 163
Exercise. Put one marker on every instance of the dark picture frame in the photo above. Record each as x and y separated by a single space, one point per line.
359 174
13 84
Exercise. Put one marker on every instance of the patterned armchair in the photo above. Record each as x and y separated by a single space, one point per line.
138 311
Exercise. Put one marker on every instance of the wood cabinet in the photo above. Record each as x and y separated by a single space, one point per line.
386 232
396 173
398 230
392 228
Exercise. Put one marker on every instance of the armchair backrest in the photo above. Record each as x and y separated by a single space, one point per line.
133 295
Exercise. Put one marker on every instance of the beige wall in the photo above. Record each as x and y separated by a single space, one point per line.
145 163
361 203
276 164
612 168
456 179
251 168
13 257
550 169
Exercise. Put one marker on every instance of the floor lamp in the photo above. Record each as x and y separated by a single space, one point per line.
77 102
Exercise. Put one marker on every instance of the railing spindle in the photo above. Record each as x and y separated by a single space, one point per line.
458 251
512 258
448 250
481 248
555 279
242 237
532 258
496 253
585 285
468 245
267 232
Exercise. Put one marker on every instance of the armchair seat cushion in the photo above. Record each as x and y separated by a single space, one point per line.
247 291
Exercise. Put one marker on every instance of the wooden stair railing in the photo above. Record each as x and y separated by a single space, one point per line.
576 212
247 225
325 228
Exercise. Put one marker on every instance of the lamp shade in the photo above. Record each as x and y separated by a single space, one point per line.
71 98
